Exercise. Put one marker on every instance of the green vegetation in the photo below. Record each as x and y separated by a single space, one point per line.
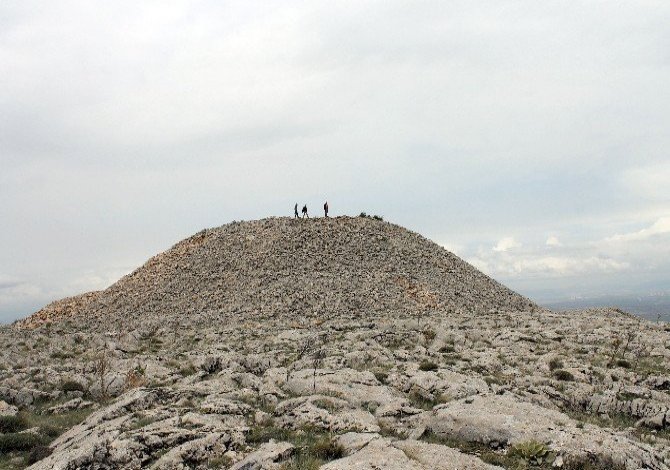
376 217
72 386
423 402
16 441
11 424
19 449
623 363
447 349
313 446
325 404
555 363
523 456
427 365
533 452
428 335
220 462
564 375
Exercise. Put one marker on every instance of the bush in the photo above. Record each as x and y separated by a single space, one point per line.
327 449
428 366
11 424
38 453
555 363
564 375
19 442
429 335
623 363
72 386
533 452
447 348
381 375
591 462
50 430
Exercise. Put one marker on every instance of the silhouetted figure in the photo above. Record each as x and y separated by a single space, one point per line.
325 208
295 211
304 212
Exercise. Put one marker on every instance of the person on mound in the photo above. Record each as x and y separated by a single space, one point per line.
304 212
325 208
295 211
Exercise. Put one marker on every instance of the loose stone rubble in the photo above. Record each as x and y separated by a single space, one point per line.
346 343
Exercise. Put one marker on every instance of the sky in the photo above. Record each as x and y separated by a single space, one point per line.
530 138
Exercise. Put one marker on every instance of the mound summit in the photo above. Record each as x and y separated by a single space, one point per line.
295 267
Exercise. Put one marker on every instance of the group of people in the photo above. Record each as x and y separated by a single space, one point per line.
304 210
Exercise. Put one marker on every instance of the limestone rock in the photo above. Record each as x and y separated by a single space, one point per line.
268 457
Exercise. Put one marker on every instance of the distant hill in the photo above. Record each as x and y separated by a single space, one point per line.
650 307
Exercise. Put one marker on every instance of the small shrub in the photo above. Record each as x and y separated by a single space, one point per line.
533 452
303 462
19 442
428 366
591 462
421 401
623 363
11 424
428 335
493 380
187 370
327 449
564 375
134 378
72 386
447 348
50 430
327 405
362 214
378 217
626 396
262 434
381 375
555 363
38 453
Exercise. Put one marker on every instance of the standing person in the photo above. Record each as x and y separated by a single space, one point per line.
295 211
325 208
304 212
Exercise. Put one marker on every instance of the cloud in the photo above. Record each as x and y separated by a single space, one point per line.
144 122
660 227
17 292
538 264
506 244
7 282
553 241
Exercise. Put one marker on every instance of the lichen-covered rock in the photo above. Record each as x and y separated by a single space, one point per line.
501 421
269 456
7 410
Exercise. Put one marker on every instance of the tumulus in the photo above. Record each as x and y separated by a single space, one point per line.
286 267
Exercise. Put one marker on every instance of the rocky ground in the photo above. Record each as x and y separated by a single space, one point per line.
439 381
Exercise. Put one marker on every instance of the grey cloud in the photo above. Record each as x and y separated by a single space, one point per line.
9 284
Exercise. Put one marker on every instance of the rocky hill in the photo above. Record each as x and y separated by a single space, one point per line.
286 267
346 343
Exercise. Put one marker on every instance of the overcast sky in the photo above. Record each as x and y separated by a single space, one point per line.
530 138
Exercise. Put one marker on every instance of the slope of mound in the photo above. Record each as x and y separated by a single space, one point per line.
289 267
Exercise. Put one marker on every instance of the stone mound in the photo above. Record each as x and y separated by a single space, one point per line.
294 267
